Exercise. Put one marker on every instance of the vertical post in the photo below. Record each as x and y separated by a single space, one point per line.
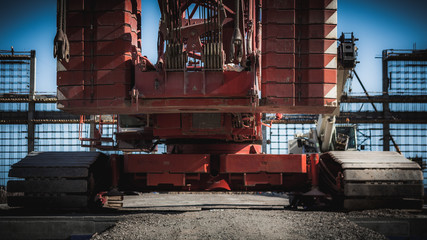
114 171
92 126
264 135
386 107
31 103
32 75
314 169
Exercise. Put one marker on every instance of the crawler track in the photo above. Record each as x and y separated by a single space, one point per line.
58 179
365 180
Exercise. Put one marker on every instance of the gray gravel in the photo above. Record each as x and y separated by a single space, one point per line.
237 216
239 224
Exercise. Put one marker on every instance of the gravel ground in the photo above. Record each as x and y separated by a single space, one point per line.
237 216
239 224
233 216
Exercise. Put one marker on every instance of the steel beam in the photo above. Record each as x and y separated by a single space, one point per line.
386 107
382 99
31 103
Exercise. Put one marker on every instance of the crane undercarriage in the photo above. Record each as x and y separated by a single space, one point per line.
220 65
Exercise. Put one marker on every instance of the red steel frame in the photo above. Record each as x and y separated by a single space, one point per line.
237 171
289 65
294 51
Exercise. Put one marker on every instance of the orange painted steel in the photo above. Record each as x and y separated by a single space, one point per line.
161 163
268 163
314 169
235 171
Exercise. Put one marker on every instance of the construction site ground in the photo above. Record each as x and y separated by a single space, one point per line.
211 216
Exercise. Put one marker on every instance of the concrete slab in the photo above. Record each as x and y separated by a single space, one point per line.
205 201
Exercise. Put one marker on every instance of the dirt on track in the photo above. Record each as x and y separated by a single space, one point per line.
238 224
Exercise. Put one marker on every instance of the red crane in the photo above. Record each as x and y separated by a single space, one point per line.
221 64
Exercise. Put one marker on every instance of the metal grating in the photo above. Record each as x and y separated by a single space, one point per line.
279 135
406 77
13 147
57 137
15 72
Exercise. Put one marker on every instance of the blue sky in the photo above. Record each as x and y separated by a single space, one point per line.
379 24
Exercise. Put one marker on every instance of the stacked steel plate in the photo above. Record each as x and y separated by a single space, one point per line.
299 53
104 37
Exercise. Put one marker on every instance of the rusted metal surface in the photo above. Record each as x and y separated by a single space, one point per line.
25 98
